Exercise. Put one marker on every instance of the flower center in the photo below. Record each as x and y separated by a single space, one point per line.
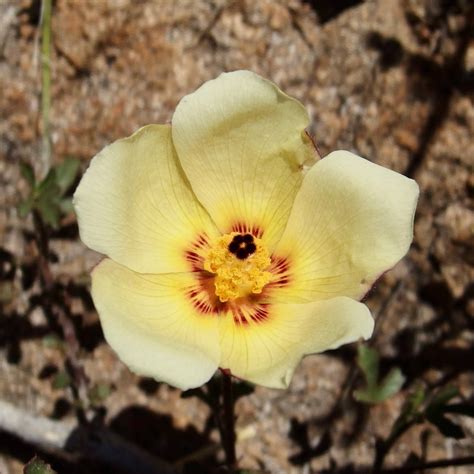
239 262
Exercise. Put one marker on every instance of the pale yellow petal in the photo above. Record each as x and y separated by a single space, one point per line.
351 221
267 351
134 204
242 144
151 323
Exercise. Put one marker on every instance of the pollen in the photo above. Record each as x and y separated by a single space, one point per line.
239 263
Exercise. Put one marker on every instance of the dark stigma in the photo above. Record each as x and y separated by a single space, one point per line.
242 246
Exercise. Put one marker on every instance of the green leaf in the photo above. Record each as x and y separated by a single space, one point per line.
50 212
436 409
365 395
410 411
436 406
49 193
416 399
98 393
25 207
38 466
391 384
47 197
66 172
376 391
28 174
61 380
66 205
368 361
444 395
48 182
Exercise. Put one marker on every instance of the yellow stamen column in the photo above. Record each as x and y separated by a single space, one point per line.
239 263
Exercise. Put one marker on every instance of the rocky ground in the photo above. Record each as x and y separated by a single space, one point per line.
391 80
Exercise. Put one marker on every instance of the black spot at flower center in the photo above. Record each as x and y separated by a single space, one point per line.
242 246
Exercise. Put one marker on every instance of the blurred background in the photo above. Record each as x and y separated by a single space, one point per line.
391 80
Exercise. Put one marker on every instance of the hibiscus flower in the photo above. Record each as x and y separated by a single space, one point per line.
229 244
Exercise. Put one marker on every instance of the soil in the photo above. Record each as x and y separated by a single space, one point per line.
391 80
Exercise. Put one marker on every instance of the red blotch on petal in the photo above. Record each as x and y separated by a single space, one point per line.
280 268
202 296
194 254
244 228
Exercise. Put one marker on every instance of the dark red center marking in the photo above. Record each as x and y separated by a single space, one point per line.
243 228
194 255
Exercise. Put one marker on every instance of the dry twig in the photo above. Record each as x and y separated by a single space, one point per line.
72 442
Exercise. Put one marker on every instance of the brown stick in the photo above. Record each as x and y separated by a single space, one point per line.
71 442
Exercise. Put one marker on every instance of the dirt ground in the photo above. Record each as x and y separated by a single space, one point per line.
391 80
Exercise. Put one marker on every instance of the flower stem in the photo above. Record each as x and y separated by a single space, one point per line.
228 422
46 82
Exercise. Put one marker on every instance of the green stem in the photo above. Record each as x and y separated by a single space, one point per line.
46 83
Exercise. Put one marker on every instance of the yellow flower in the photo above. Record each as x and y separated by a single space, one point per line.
229 245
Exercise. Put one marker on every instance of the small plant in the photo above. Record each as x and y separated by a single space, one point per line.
376 390
421 407
48 196
38 466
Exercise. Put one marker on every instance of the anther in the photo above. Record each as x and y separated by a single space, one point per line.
236 275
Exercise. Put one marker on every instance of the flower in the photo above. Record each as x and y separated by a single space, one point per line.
230 244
